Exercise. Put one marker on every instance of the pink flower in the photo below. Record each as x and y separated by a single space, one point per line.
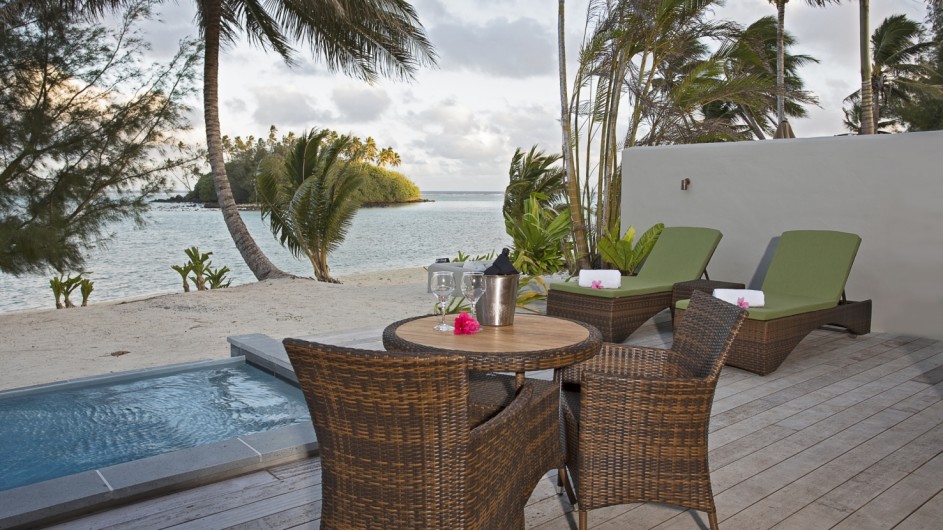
466 325
742 303
597 284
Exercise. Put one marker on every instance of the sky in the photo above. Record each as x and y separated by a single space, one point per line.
496 85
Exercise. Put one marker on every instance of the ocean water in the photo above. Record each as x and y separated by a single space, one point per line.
137 260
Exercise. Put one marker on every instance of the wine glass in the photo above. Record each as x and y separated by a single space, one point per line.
473 287
443 283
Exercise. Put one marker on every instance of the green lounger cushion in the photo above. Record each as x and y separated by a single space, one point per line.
812 264
807 273
779 305
680 254
631 286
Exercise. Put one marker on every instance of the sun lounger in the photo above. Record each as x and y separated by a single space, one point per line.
804 289
680 254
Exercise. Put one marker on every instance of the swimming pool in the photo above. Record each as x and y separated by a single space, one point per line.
64 429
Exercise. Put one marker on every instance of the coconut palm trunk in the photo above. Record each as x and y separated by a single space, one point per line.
255 259
780 60
867 96
572 186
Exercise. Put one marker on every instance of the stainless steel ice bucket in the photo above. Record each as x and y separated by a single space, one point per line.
497 305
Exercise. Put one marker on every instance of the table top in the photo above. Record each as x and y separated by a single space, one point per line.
533 342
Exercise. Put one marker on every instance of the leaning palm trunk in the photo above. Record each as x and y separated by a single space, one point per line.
572 184
780 61
255 259
867 97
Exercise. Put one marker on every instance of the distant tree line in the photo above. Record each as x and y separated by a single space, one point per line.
245 158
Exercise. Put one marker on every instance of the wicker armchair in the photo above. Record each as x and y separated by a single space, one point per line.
398 448
636 419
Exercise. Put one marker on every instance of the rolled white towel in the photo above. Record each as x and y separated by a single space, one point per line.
752 297
611 279
476 266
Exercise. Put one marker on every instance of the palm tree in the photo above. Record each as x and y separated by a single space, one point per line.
308 199
897 72
371 150
367 39
754 52
534 173
364 38
780 50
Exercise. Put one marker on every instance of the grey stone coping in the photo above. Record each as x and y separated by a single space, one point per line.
54 499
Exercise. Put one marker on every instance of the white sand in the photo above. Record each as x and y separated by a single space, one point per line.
54 345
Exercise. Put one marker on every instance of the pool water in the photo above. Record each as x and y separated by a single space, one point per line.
50 434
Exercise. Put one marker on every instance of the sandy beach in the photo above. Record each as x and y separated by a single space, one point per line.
53 345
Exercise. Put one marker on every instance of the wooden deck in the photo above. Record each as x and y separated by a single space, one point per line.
847 434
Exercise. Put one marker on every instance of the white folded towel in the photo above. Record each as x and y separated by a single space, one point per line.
611 279
476 266
751 296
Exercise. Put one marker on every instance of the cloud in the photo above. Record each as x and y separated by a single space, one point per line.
360 103
286 107
518 48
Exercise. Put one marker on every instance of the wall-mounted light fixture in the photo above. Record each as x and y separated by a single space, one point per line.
685 182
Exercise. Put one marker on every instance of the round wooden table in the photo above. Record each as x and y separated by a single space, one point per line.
533 342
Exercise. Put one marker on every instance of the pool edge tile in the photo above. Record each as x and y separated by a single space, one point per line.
187 465
293 441
35 502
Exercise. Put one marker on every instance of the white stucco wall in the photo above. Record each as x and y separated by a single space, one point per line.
886 188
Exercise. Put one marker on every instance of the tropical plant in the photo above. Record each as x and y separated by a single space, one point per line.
898 74
88 131
86 287
55 283
533 173
63 286
623 253
217 278
308 201
199 265
539 237
184 271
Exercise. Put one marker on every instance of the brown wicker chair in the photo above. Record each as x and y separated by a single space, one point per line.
399 449
636 419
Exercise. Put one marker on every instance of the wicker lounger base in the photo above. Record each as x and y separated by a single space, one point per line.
615 318
763 345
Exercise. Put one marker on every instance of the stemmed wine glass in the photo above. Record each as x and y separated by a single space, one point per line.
473 287
443 283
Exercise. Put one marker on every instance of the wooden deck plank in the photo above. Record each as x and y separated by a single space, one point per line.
898 502
169 503
793 497
927 517
851 495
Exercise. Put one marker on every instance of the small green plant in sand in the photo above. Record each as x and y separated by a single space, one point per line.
204 276
63 285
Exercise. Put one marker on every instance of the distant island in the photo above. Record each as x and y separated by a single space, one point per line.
381 187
